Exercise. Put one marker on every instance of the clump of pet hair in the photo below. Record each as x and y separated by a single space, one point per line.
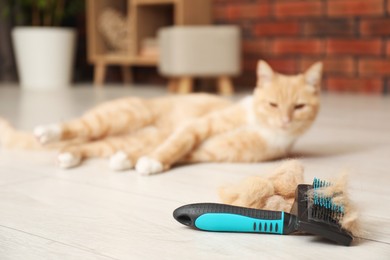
337 190
275 192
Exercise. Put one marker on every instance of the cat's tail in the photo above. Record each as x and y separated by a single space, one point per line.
11 138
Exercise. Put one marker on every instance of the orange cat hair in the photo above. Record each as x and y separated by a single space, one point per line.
275 192
12 139
252 192
338 191
279 203
286 178
152 135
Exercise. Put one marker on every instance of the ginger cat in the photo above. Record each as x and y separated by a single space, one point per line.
154 134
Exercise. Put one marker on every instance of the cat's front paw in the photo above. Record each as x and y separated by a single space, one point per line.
48 133
68 160
148 166
120 162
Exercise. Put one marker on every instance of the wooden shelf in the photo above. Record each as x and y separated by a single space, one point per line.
146 61
153 2
148 16
121 58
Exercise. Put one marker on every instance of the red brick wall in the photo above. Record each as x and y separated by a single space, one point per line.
352 37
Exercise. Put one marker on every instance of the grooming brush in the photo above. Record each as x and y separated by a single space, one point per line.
315 214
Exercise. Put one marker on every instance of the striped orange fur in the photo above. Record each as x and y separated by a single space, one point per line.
154 134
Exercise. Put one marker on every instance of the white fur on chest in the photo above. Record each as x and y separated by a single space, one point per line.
278 141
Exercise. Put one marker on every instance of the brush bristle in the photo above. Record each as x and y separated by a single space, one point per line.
324 209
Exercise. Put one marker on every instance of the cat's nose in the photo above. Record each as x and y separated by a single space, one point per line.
286 121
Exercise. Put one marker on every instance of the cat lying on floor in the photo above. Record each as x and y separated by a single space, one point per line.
154 134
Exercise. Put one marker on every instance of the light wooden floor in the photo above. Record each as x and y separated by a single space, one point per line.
93 213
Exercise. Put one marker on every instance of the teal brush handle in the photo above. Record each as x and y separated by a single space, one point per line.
226 218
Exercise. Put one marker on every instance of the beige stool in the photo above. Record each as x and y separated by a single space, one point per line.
187 52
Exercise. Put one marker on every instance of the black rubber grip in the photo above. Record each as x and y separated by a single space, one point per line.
187 214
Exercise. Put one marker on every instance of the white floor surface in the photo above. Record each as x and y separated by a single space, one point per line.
92 213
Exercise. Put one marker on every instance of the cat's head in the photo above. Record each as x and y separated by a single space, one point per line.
287 102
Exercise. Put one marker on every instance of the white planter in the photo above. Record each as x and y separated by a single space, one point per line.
44 56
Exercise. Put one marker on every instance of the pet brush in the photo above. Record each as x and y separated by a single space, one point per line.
313 214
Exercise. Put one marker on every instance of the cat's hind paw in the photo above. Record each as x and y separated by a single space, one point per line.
120 162
48 133
68 160
148 166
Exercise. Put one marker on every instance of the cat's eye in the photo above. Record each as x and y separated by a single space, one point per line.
272 104
299 106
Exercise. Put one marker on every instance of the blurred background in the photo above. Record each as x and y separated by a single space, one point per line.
350 36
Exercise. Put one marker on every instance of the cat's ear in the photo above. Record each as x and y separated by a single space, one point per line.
264 73
313 75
